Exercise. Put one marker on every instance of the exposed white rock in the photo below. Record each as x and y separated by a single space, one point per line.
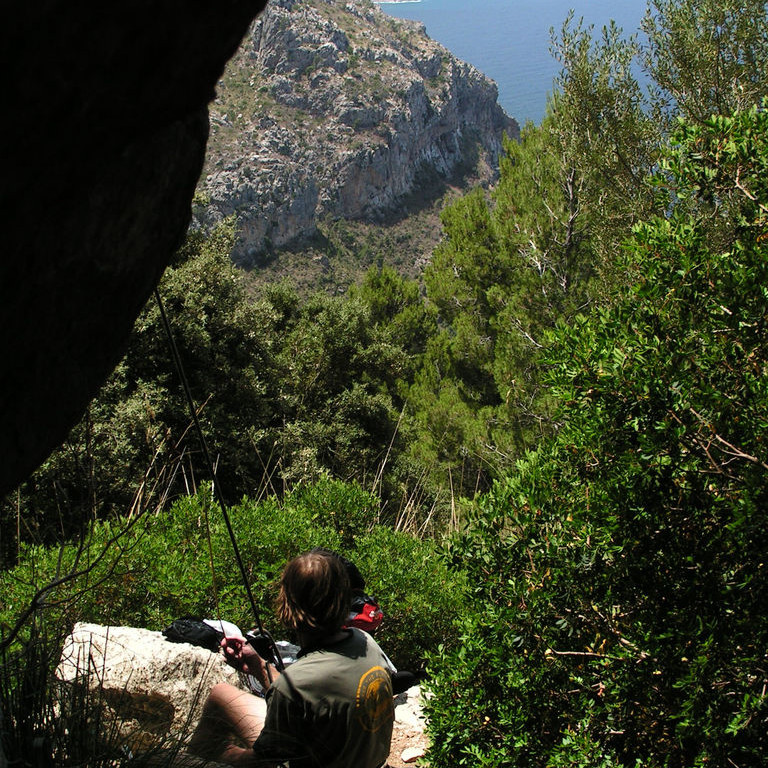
153 690
408 708
361 106
412 754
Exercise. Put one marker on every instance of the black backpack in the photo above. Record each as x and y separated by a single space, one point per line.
190 629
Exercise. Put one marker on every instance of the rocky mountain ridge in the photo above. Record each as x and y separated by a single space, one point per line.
333 110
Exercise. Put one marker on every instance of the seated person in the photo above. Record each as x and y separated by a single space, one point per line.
332 708
366 614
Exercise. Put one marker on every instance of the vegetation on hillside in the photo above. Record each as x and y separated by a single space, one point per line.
182 562
621 567
566 416
154 568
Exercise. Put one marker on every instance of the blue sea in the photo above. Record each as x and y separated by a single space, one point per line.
509 40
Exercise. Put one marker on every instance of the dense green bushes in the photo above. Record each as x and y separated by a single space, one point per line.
182 562
621 570
290 389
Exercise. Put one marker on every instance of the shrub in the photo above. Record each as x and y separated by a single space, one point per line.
154 569
420 596
621 569
344 507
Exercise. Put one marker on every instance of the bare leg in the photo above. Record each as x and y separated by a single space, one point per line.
228 714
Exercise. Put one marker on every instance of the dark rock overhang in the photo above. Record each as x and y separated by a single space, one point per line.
102 140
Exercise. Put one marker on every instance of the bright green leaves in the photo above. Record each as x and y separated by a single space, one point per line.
627 556
158 569
466 263
512 264
397 312
290 389
707 56
607 141
336 372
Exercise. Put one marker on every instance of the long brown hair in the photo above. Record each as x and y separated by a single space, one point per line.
314 594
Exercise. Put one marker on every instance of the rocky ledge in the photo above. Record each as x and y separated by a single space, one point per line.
332 109
152 691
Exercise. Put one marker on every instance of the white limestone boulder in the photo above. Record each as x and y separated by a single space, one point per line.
152 690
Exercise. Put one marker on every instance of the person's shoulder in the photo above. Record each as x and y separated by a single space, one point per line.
362 635
295 677
363 640
360 638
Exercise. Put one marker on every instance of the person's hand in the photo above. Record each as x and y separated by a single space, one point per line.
240 655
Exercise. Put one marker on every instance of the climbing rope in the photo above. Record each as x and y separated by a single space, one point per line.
261 640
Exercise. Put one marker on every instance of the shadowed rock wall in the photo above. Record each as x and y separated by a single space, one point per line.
101 145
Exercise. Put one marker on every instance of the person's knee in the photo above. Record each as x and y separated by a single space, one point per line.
218 698
223 692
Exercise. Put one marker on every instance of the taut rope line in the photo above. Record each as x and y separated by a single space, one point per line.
217 490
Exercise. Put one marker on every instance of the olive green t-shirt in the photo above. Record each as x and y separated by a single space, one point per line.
332 708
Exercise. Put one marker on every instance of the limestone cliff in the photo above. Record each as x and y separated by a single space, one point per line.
332 109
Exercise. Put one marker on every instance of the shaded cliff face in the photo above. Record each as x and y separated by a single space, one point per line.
102 144
332 109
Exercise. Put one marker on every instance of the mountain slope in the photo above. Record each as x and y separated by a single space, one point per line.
333 110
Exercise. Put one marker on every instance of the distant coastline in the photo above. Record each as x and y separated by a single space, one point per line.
510 40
